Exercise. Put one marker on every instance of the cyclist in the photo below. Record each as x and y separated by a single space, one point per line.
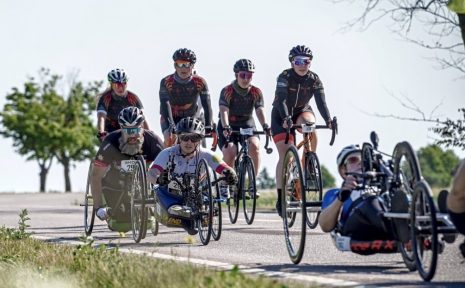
112 101
119 145
237 102
294 89
179 95
356 215
180 162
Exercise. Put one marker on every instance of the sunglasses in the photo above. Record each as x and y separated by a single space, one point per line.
301 62
245 75
353 160
183 65
191 137
131 131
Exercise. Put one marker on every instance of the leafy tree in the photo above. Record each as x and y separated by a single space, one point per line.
437 166
452 132
264 181
326 177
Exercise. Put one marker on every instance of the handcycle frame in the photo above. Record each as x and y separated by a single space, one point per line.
246 172
396 178
135 187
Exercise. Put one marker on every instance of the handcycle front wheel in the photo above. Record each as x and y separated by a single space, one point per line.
217 217
293 205
424 232
313 188
203 190
249 189
138 192
89 210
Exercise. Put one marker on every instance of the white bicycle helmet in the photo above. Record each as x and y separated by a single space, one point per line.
346 151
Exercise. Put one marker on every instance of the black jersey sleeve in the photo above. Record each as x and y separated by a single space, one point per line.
206 104
153 145
165 107
320 99
282 95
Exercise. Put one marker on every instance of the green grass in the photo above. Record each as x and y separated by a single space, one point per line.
27 262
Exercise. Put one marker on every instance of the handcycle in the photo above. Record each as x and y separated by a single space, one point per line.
246 188
301 190
198 201
399 184
128 209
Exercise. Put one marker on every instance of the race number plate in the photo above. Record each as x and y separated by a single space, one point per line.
246 131
128 165
306 128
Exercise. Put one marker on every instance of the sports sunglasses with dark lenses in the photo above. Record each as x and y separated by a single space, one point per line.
191 137
353 160
131 130
301 62
183 65
245 75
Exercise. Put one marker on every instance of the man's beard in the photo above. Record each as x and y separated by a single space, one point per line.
131 148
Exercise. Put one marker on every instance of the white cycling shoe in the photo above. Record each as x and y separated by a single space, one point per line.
103 213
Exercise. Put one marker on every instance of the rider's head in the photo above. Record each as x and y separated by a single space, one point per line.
349 160
184 60
190 133
300 57
118 81
131 120
244 69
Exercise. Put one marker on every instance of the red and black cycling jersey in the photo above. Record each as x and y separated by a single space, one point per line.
293 93
241 103
110 105
179 98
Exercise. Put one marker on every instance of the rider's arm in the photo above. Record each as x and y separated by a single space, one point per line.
456 198
320 100
330 215
224 115
101 115
165 107
281 96
260 112
206 104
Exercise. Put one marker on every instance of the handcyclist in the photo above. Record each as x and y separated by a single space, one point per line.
180 93
180 162
355 215
237 102
120 145
294 89
112 101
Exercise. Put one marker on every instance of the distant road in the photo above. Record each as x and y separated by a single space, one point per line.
258 248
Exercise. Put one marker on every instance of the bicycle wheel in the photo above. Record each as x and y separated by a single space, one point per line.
249 189
424 232
217 216
293 205
367 157
313 189
138 193
204 198
406 173
89 210
233 202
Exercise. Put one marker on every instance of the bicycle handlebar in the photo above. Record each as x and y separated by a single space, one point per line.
268 150
334 129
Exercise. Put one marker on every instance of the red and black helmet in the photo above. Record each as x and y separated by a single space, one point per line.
185 54
244 65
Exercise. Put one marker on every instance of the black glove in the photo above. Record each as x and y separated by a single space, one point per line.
208 130
344 195
101 135
227 131
230 176
172 127
163 179
289 122
267 129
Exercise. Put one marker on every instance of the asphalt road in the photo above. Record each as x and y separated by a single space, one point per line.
257 249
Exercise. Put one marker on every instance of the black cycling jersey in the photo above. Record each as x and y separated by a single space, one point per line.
293 93
241 103
111 105
179 98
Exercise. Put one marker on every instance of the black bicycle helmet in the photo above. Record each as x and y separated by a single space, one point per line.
185 54
244 65
130 117
300 50
190 125
117 76
346 151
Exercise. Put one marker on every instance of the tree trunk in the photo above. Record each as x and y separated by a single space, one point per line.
43 177
462 25
66 163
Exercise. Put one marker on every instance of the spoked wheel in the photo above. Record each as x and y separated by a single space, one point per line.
293 205
217 217
367 157
249 190
406 174
313 189
233 202
89 211
424 232
203 190
138 193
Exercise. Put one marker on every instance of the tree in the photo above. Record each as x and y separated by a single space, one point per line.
445 29
437 166
326 177
264 181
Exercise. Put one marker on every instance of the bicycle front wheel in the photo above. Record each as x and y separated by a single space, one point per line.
313 189
138 193
249 189
217 217
233 201
89 211
203 191
293 205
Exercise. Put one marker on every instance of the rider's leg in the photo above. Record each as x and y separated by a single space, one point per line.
309 117
456 197
96 184
229 153
282 148
254 147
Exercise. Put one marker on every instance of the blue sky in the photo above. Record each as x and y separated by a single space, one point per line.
360 70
